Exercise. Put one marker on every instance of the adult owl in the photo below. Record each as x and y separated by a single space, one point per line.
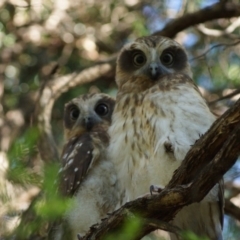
159 114
86 174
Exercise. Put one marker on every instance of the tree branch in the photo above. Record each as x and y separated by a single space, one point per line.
232 189
232 210
163 225
218 165
225 45
216 11
212 140
207 157
230 95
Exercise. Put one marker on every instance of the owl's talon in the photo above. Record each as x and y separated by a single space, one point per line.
154 189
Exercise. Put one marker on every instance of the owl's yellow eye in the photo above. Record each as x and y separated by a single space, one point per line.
74 113
139 59
167 59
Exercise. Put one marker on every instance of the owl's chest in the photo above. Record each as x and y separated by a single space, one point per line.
138 125
136 150
136 131
143 127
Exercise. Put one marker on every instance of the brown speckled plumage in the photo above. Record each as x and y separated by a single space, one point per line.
158 116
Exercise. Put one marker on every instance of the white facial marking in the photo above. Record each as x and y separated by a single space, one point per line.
154 56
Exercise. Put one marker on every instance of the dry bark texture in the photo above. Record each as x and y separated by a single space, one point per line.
211 157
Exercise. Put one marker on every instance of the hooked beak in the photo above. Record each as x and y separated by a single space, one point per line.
88 123
154 71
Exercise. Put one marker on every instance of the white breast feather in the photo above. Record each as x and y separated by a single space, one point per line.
97 195
180 119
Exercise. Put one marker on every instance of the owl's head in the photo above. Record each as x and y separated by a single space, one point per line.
149 58
86 113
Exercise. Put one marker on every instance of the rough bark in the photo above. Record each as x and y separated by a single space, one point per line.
208 160
207 146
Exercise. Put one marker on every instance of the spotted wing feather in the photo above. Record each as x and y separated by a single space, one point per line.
77 159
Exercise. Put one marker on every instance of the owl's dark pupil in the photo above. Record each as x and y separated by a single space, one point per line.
74 113
140 59
101 109
167 58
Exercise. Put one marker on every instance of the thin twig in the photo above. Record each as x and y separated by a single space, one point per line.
225 45
230 95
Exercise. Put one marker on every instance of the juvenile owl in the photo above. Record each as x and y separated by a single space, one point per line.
86 175
159 114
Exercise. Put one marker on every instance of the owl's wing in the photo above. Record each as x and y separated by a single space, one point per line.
77 158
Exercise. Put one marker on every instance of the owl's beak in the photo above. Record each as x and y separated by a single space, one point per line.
89 123
154 71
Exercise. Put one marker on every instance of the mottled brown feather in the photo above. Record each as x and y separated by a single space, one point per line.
82 160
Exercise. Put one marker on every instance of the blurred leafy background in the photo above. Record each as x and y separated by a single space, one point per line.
45 39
